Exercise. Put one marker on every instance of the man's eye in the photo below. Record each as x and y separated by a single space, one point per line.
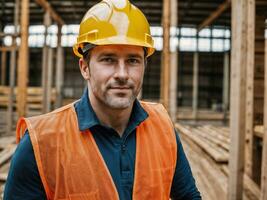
107 60
133 61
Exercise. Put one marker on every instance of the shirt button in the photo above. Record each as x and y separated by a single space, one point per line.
123 147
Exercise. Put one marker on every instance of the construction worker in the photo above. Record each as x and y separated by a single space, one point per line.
107 145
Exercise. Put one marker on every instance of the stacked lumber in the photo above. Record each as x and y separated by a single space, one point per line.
202 114
207 149
34 97
7 148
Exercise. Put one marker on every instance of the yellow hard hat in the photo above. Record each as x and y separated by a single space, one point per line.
114 22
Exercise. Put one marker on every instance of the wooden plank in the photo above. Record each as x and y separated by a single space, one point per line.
47 23
250 86
59 70
264 151
215 137
173 64
3 67
214 15
23 59
249 184
6 154
34 98
226 84
32 91
48 8
187 114
213 181
213 141
12 71
49 79
195 85
8 34
237 102
9 48
165 67
7 141
217 155
213 174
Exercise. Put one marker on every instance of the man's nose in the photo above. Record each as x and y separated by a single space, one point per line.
121 71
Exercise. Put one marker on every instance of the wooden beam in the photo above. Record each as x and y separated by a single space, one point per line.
23 59
48 8
264 151
47 23
213 16
49 79
195 84
3 68
225 84
250 65
12 72
165 67
173 64
8 34
59 69
9 48
239 51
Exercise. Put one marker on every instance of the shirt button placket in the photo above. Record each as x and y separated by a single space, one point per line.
123 148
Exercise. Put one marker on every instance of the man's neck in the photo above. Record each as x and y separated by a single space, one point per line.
115 118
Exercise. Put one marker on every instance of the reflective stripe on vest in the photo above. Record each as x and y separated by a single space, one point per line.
71 166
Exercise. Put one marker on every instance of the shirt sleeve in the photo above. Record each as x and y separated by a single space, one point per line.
183 185
23 181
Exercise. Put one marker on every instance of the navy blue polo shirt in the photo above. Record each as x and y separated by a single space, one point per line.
24 181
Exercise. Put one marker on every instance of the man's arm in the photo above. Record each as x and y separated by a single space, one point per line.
23 181
183 185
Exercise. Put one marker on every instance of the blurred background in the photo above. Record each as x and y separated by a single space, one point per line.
208 70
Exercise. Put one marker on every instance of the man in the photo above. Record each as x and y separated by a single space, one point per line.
107 145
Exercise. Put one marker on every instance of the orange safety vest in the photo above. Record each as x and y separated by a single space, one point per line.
71 166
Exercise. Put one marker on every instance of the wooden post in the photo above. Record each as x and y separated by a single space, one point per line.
239 51
263 195
250 85
165 67
3 68
226 84
12 71
195 83
47 22
49 79
23 59
173 65
59 69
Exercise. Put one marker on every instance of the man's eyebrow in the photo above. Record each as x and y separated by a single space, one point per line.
107 54
135 56
131 55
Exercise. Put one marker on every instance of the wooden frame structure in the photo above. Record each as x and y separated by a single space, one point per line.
242 76
240 48
264 154
23 58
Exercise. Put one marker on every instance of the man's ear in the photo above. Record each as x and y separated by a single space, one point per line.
84 68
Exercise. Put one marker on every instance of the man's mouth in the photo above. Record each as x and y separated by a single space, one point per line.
120 88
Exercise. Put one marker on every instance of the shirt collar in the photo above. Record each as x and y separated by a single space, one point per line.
87 117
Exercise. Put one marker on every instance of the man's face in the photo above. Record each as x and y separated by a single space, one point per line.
115 74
